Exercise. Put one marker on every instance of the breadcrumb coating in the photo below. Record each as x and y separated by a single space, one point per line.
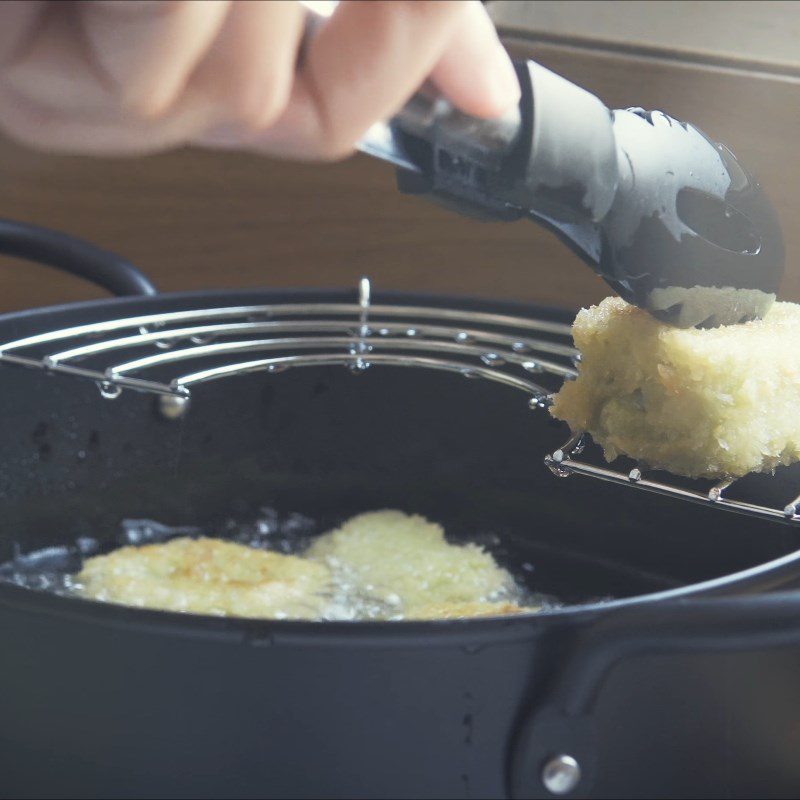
208 576
710 403
390 554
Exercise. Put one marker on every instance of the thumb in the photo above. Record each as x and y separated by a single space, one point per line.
475 72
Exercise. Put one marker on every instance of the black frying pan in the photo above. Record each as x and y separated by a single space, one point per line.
684 684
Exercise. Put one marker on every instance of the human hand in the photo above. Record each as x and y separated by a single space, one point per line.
139 76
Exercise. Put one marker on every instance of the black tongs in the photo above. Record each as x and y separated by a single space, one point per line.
668 218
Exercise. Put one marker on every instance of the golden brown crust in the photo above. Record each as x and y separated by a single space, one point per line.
379 565
388 555
208 576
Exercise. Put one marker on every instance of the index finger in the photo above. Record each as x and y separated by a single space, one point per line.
361 66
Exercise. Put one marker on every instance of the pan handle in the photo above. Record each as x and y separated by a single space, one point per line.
561 723
55 249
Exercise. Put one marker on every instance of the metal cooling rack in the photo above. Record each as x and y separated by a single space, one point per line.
564 462
135 353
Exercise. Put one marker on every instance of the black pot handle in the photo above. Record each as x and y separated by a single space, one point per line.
562 719
45 246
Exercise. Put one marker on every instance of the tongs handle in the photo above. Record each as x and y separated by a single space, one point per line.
552 158
447 155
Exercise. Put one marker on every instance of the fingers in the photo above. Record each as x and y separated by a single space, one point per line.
18 21
250 68
475 72
130 77
149 49
106 132
58 97
362 65
53 70
52 97
369 58
241 53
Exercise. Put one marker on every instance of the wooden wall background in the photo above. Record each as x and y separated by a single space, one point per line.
195 219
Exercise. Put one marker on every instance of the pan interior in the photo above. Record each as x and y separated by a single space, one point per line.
326 444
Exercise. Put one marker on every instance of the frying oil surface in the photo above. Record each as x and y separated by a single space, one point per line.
377 566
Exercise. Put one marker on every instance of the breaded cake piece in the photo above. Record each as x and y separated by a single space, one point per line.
713 403
405 562
208 576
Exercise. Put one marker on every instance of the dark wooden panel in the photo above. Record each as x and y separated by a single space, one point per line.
196 219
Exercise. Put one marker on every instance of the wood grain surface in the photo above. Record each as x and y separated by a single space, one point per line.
196 219
764 34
